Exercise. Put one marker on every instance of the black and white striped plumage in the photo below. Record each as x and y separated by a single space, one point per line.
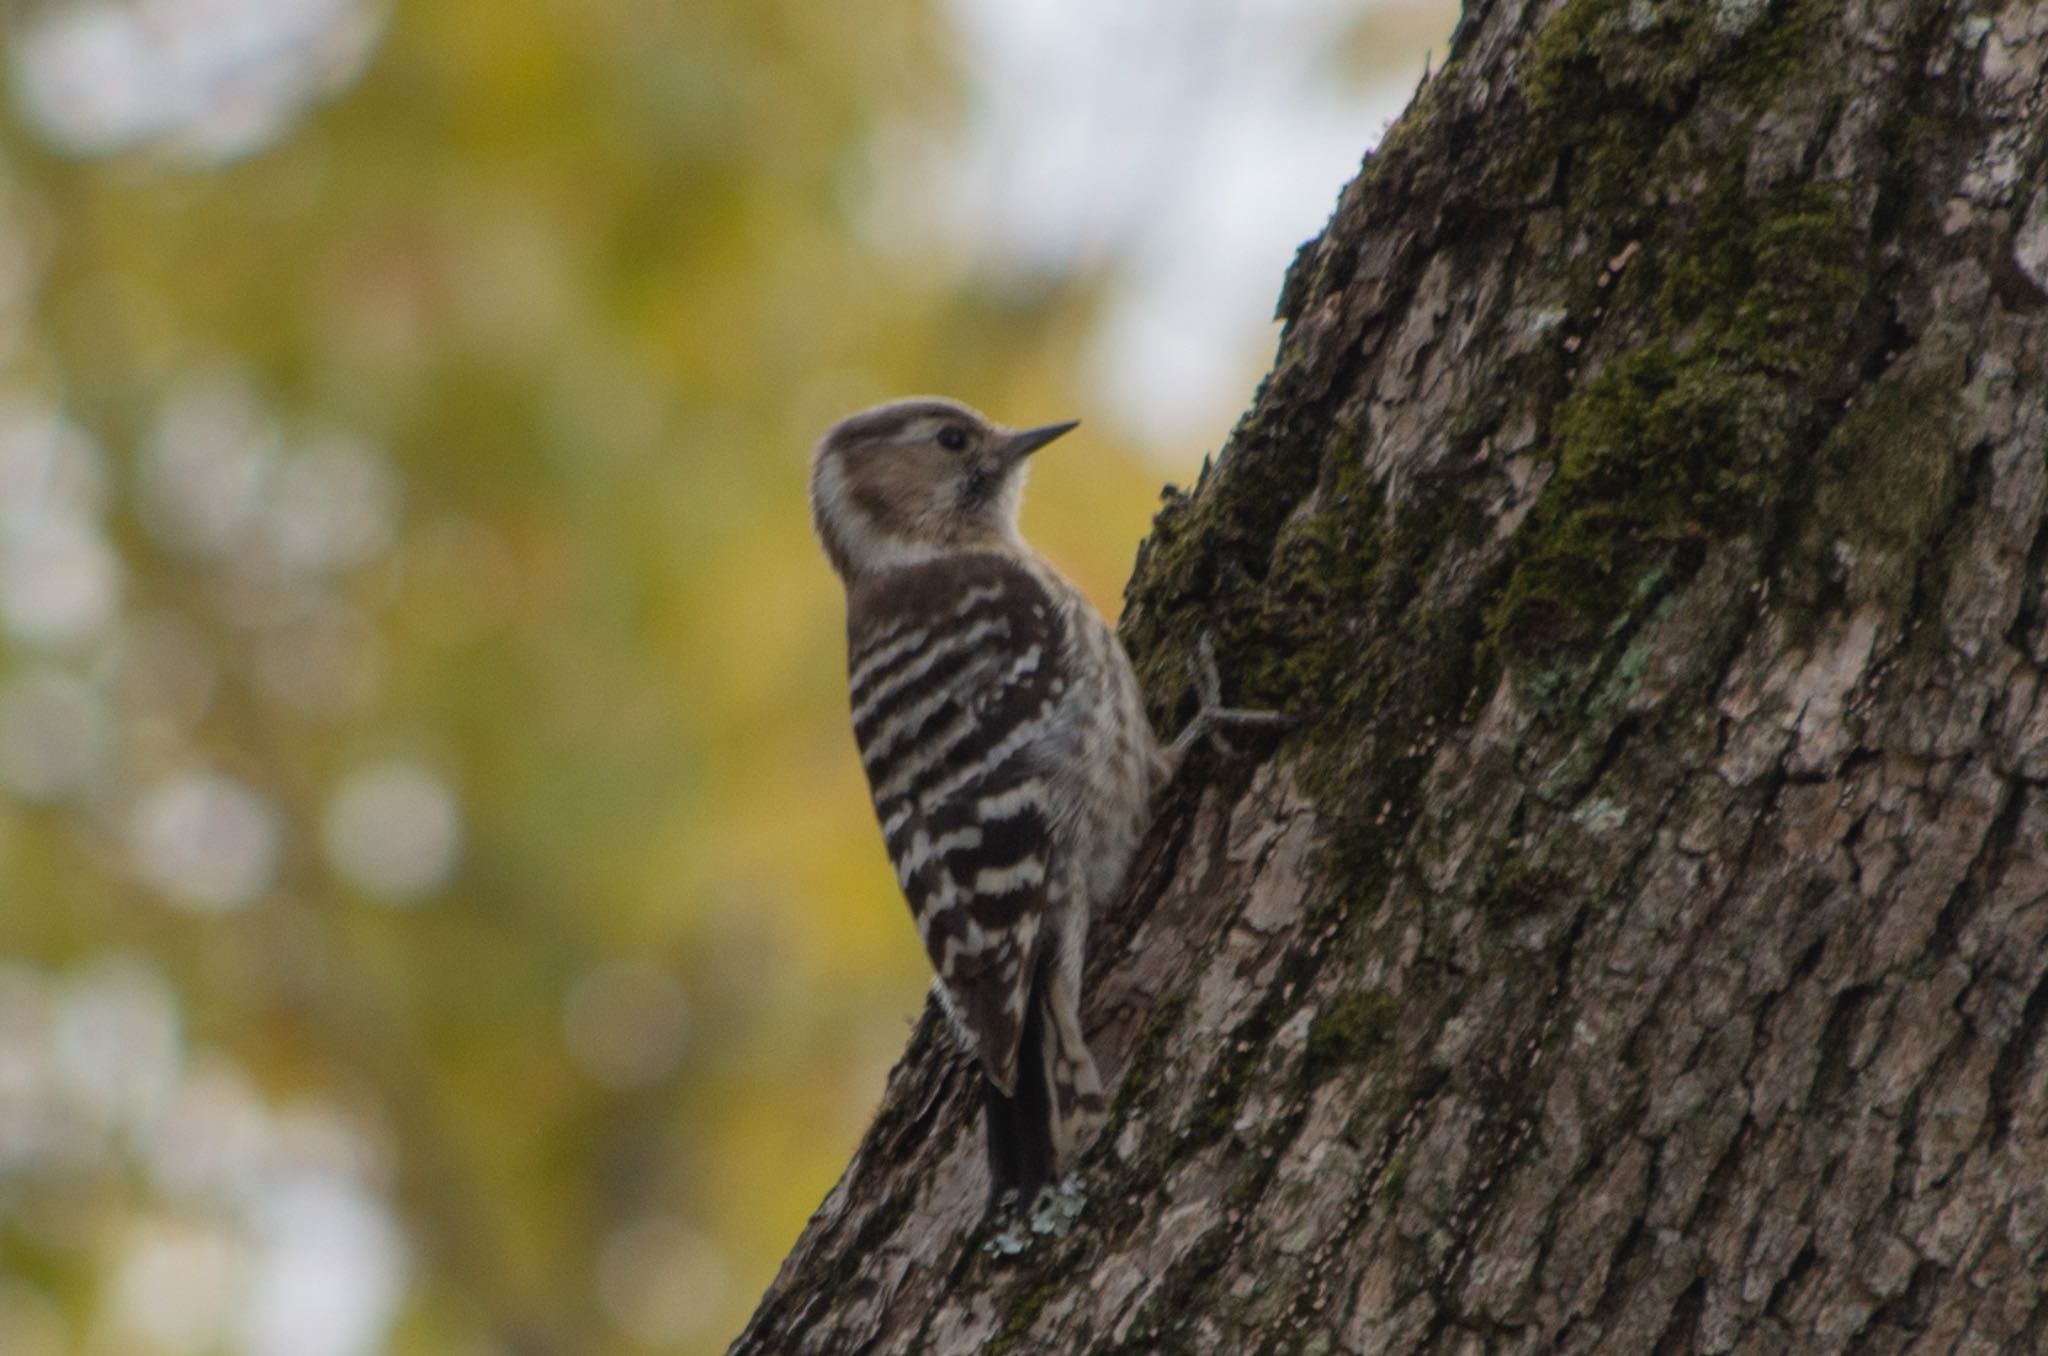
1005 744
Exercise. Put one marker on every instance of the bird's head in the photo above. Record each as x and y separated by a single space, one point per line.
917 479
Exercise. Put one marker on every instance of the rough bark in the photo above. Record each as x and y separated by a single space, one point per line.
1644 946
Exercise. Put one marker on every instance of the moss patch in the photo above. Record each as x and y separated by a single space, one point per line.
1619 46
1655 55
1656 454
1888 477
1023 1313
1697 434
1326 625
1349 1028
1520 887
1770 283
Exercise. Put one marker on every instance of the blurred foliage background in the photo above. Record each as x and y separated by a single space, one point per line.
439 906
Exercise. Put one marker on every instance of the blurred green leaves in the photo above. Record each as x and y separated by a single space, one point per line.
438 894
439 906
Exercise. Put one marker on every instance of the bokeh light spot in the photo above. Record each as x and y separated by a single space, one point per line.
624 1023
59 580
203 468
394 830
117 1041
27 1014
175 1286
328 1271
53 736
333 504
210 79
662 1281
206 841
48 465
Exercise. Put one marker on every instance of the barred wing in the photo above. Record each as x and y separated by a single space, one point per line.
956 674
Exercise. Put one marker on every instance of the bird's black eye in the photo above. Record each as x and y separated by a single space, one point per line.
953 438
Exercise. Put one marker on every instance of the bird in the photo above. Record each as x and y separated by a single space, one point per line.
1003 733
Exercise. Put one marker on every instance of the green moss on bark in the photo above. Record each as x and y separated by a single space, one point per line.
1696 435
1656 454
1888 477
1770 283
1520 887
1656 55
1349 1028
1022 1315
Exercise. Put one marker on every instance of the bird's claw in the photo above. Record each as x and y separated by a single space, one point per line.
1211 715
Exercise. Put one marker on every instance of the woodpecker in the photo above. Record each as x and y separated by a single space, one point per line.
1006 746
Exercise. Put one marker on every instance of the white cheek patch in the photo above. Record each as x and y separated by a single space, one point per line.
842 523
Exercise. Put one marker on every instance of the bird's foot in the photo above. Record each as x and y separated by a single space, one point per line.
1212 717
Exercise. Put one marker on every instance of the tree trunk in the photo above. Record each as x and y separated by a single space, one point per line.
1643 945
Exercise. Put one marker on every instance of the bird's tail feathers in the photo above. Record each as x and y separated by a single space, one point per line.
1076 1107
1058 1107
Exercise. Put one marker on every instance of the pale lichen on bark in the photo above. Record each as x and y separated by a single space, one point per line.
1644 945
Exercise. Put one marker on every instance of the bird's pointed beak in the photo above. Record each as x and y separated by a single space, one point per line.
1024 442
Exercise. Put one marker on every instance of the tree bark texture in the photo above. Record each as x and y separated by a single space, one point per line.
1642 947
